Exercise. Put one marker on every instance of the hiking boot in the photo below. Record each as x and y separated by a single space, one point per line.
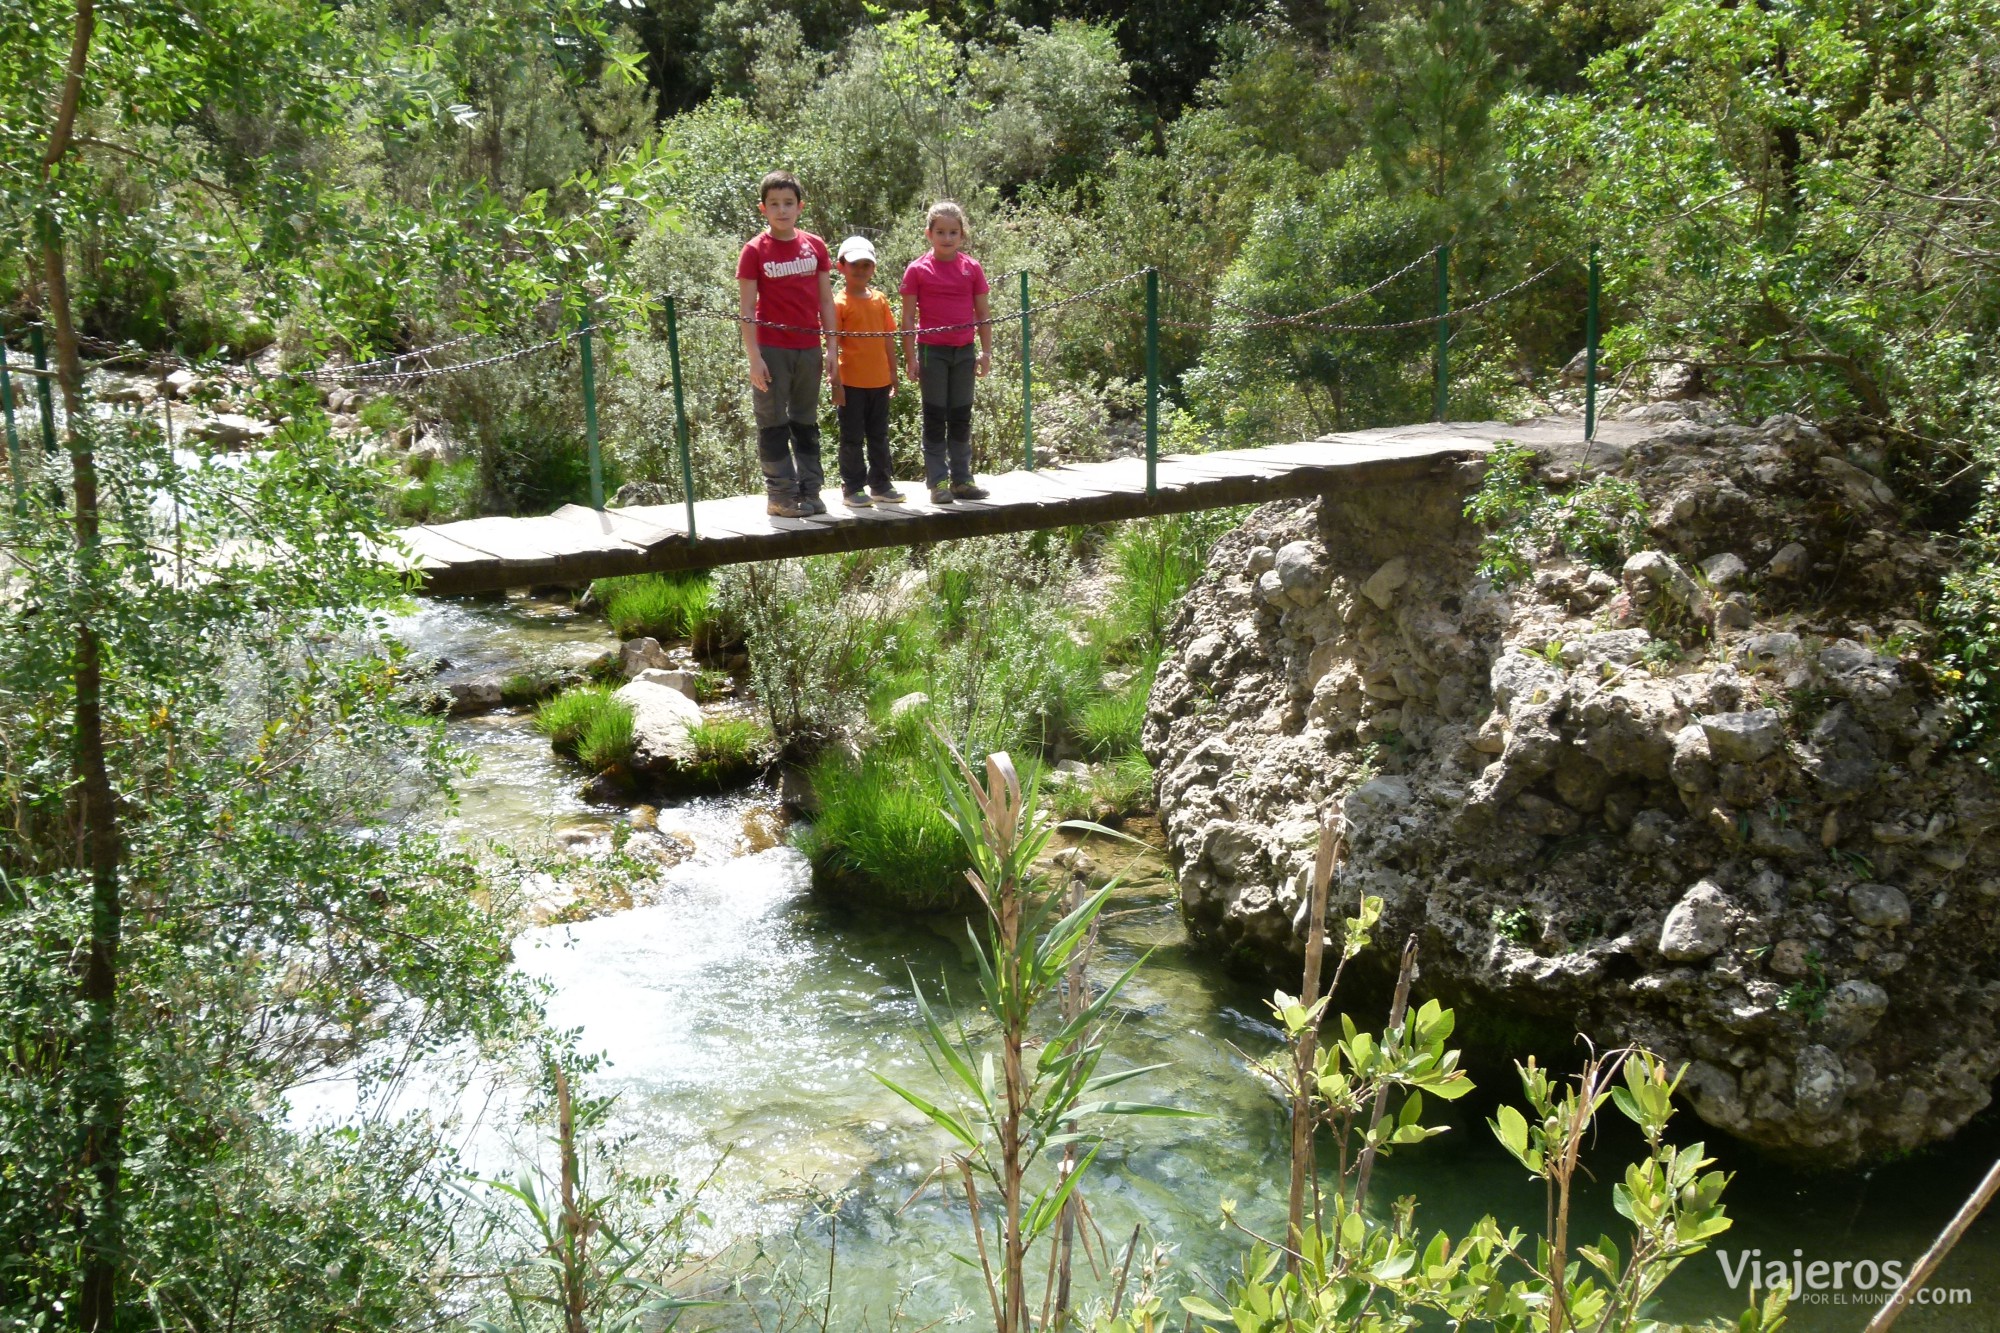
889 495
778 506
812 504
941 495
965 490
856 499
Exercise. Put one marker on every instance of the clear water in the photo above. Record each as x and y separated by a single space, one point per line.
743 1022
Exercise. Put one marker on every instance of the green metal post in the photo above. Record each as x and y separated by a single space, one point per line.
680 414
13 440
1590 348
40 348
1444 327
1027 384
590 412
1152 380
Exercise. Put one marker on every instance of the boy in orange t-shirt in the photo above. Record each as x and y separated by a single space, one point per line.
865 378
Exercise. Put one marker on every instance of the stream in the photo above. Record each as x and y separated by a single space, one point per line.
743 1021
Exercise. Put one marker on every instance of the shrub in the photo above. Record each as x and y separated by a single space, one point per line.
881 836
1594 522
660 606
446 493
589 723
383 414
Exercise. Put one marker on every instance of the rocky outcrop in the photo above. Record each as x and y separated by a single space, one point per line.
1702 799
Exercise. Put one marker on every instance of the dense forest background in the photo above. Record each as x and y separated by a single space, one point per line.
205 905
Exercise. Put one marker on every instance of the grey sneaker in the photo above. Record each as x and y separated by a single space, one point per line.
889 495
941 495
780 507
965 490
812 504
856 499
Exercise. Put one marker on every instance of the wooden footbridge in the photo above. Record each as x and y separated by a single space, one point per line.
578 543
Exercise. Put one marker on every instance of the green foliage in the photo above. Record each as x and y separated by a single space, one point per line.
292 929
1155 561
1594 522
1806 997
1007 1129
1516 924
813 658
1486 1276
659 606
588 1244
383 414
444 493
589 723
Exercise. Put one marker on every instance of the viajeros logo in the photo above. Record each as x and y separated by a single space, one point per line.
1830 1282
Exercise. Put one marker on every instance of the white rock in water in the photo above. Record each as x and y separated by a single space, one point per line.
661 719
1698 927
637 655
673 680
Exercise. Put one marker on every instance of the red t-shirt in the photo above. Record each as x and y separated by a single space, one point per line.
944 295
787 278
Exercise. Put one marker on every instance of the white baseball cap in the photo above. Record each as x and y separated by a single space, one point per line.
855 249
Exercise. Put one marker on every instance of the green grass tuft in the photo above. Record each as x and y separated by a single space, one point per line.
606 741
1110 722
881 836
726 749
588 723
658 606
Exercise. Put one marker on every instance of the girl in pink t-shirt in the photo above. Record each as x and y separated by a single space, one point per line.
944 295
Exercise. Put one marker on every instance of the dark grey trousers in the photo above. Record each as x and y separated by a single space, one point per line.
864 420
788 422
949 378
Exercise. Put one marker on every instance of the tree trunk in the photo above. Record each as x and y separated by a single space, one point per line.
102 1097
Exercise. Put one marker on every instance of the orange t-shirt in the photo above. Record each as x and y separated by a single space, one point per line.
864 362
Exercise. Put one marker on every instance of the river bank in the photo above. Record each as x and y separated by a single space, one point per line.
742 1020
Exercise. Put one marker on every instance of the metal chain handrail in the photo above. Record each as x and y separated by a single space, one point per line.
1266 317
1298 322
730 317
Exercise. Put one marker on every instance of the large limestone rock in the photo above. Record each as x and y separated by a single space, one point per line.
661 719
1737 824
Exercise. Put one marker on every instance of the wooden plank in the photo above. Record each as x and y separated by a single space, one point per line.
839 513
495 539
619 524
431 545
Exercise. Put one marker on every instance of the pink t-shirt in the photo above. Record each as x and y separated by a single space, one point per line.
944 293
787 278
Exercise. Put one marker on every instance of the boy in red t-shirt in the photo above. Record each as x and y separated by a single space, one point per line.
784 281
